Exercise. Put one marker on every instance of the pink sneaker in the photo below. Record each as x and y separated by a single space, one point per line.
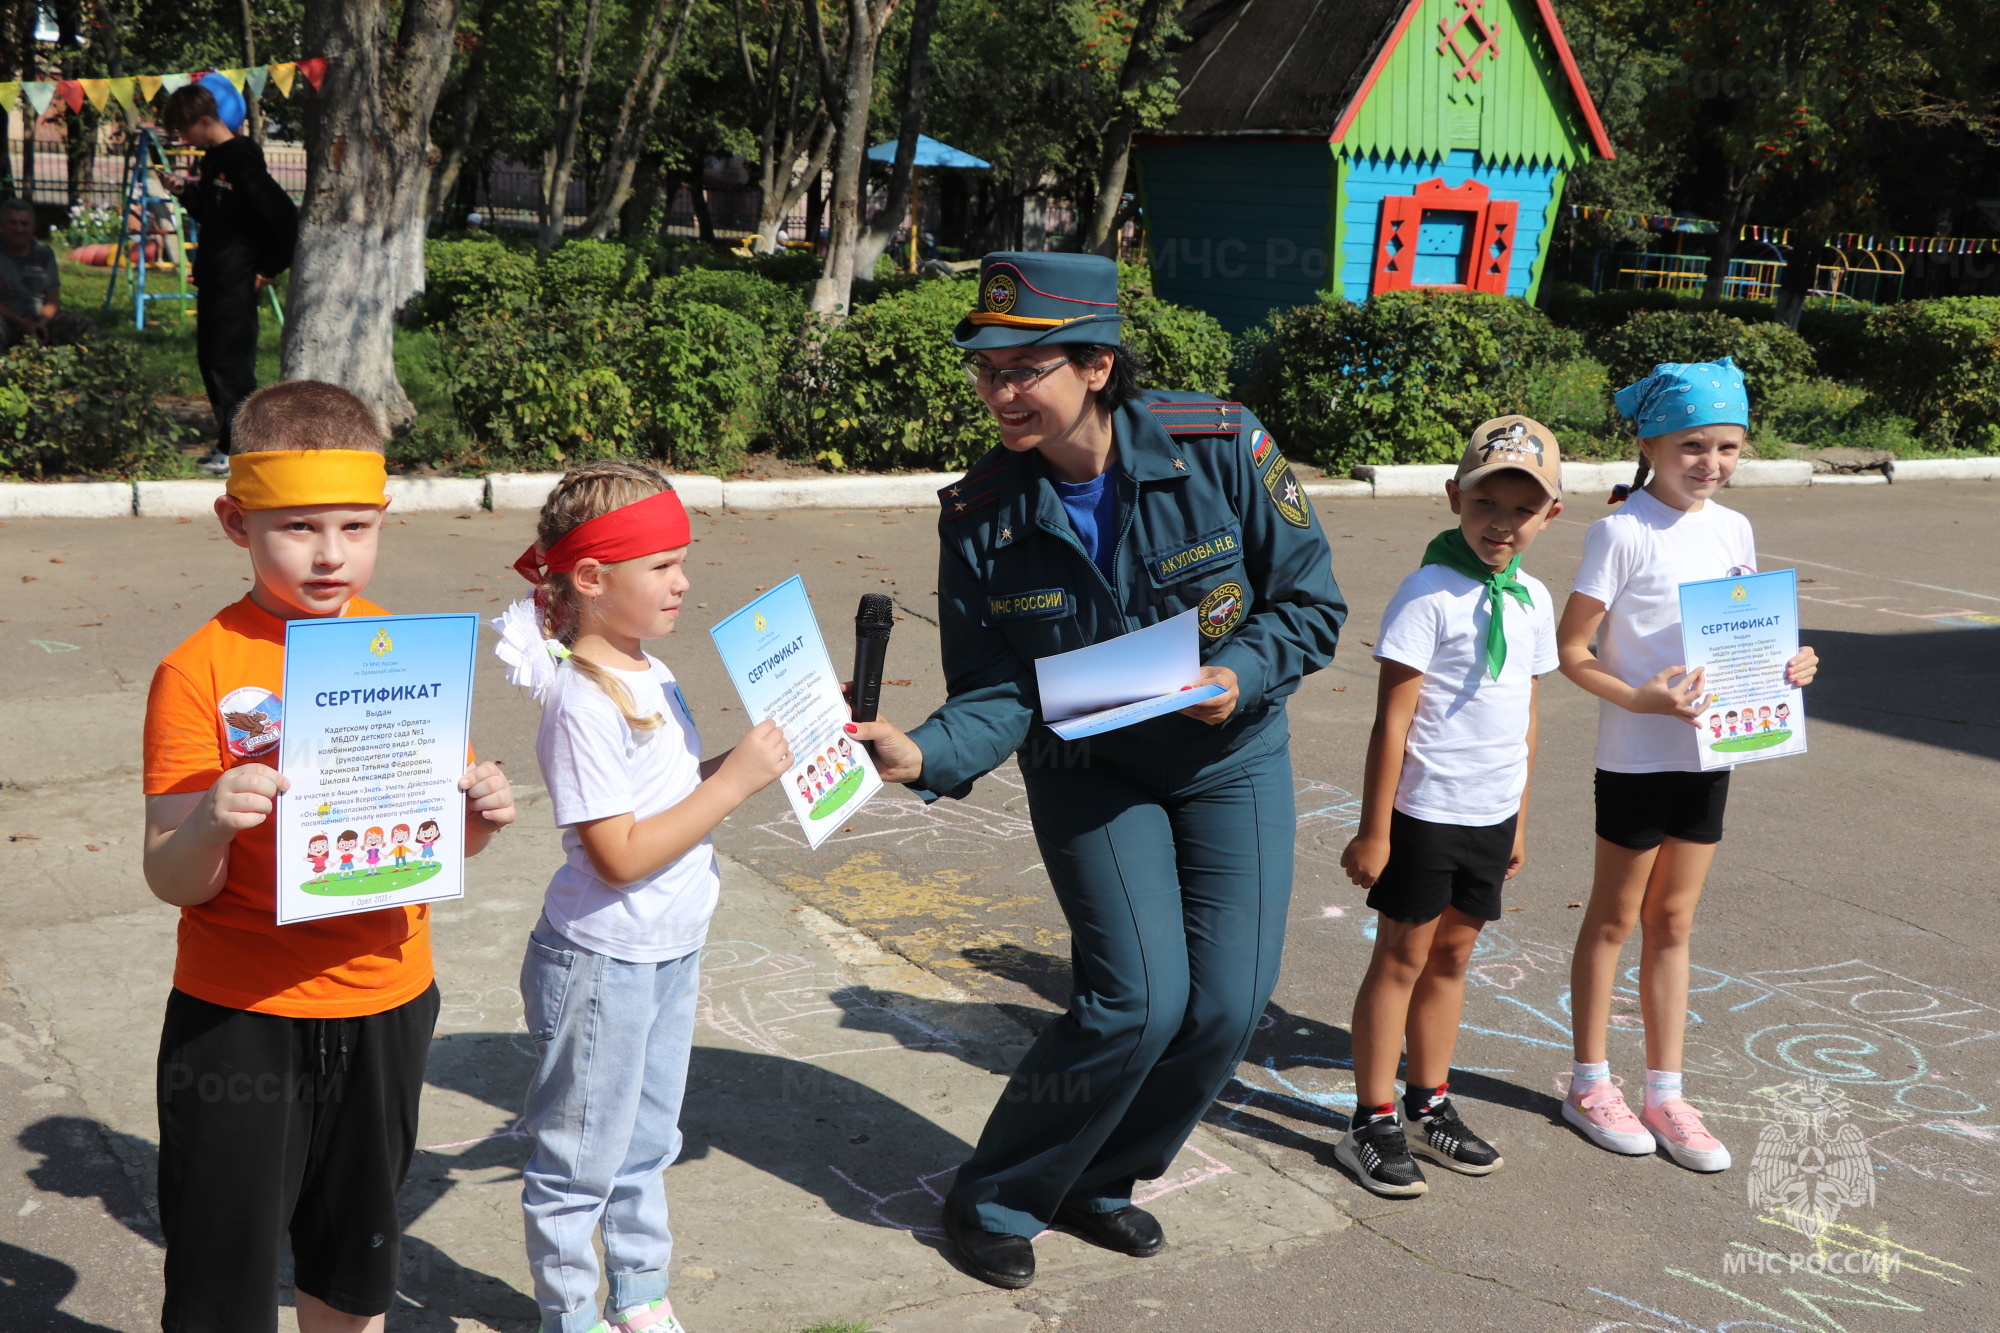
658 1317
1679 1130
1605 1119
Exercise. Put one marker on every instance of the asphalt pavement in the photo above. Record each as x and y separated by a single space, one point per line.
864 1000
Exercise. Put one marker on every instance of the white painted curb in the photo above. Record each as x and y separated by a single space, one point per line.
1760 472
1948 469
527 490
1407 480
1338 488
66 499
176 499
420 495
916 490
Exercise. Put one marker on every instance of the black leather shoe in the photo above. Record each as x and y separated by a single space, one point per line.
991 1256
1128 1230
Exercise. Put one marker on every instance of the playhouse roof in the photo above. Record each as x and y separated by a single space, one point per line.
1309 67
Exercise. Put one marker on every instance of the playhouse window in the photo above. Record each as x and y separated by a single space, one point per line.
1452 237
1444 242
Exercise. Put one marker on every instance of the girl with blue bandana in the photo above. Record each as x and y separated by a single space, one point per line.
1659 816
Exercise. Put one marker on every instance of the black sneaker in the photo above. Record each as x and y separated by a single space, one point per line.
1379 1157
1443 1137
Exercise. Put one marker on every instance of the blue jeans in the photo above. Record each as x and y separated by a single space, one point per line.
604 1108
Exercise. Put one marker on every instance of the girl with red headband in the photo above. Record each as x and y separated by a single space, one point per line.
611 977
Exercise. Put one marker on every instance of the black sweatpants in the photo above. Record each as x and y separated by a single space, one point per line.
272 1126
225 343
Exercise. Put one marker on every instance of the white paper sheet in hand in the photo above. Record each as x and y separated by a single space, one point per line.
1145 666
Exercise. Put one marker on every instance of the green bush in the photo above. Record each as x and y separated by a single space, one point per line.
1938 363
698 380
776 309
1400 378
587 275
1770 356
535 392
1574 306
84 410
1176 347
477 278
885 388
1838 336
1823 413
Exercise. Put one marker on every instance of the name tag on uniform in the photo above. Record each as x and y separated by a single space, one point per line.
1176 564
1041 604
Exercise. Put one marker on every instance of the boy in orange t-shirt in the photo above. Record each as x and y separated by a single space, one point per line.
291 1057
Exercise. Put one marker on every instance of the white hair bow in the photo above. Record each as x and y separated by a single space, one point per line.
531 658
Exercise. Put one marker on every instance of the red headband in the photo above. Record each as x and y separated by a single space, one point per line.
656 523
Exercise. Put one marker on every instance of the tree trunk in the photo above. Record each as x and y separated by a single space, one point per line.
445 180
361 228
1142 58
876 238
784 171
628 141
114 63
1736 207
253 120
555 197
866 20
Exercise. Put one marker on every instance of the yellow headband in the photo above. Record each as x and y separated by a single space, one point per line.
289 478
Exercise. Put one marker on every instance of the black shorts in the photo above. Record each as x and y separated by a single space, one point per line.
272 1125
1639 811
1435 866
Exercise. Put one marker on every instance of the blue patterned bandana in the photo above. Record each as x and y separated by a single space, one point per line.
1677 396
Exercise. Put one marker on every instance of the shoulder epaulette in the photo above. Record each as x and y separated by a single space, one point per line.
976 489
1212 417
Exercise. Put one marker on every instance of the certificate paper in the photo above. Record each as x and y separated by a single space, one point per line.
378 712
1124 680
1744 630
777 660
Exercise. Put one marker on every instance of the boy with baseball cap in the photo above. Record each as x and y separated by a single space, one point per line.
1463 643
291 1057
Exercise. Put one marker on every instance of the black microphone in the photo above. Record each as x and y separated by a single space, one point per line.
873 620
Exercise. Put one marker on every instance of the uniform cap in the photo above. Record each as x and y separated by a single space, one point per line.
1028 299
1517 442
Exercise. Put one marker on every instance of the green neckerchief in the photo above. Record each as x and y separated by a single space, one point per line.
1450 549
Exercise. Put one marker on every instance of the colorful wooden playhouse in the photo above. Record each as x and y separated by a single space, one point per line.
1361 146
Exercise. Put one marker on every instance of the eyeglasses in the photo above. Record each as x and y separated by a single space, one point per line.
1021 380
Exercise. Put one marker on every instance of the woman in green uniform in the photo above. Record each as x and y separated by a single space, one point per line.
1169 843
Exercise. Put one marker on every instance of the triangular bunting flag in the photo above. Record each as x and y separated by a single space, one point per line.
97 90
235 76
72 93
121 93
10 93
149 87
283 75
257 77
173 83
40 93
314 70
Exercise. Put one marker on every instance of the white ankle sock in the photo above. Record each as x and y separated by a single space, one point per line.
1583 1073
1662 1085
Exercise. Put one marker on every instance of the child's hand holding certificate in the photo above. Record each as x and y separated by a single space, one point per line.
1740 632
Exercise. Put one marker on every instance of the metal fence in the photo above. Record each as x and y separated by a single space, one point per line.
101 176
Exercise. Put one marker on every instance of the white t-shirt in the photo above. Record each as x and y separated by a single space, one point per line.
1634 562
1466 758
596 766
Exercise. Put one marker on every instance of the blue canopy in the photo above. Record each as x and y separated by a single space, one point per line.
930 153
